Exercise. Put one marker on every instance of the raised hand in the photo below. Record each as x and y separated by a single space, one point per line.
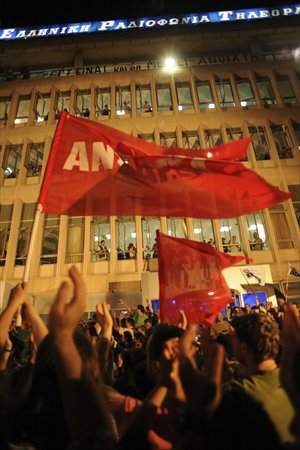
65 315
105 320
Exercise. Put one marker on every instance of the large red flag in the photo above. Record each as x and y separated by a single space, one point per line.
94 169
190 279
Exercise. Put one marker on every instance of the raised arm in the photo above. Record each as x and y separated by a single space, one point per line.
124 305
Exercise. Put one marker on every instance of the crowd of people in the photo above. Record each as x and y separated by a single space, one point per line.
127 381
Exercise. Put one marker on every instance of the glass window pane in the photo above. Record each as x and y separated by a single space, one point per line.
205 96
82 104
281 229
224 91
265 90
100 238
230 234
259 142
295 189
190 139
168 139
164 99
203 231
296 128
102 101
34 159
285 88
149 137
184 96
11 160
23 109
143 98
149 227
213 138
282 141
5 103
126 237
6 212
245 91
123 100
62 102
257 231
177 227
27 217
75 239
42 105
50 239
234 134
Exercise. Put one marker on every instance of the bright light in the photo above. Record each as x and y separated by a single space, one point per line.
197 230
17 121
170 63
222 229
211 293
209 154
169 232
120 112
261 231
133 235
107 236
96 239
180 107
252 227
297 54
243 103
148 235
211 106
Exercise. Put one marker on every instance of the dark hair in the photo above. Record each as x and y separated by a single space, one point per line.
141 308
161 334
129 320
260 333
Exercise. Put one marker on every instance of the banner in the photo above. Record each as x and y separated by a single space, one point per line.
190 279
94 169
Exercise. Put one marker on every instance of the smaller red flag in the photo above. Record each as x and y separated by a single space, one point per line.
190 279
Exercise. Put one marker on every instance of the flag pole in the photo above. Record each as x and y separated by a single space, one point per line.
32 242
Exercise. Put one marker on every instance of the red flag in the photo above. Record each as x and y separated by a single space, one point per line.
190 279
94 169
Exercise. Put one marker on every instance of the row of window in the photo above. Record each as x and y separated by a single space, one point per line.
214 92
234 235
280 134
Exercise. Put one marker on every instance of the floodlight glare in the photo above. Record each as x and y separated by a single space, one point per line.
170 63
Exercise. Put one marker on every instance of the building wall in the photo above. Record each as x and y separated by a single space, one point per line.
217 61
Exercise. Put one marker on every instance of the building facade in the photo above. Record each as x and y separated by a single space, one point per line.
226 81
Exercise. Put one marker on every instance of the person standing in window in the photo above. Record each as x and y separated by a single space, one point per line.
147 107
233 245
86 112
126 107
105 111
257 243
102 251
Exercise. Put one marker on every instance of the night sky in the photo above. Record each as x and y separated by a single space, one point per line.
39 13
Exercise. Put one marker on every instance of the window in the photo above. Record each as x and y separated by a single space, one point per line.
5 224
126 237
75 239
205 97
50 239
41 107
102 101
213 138
295 189
282 141
27 217
257 231
177 227
285 88
123 100
184 96
82 102
143 98
23 109
34 159
149 137
234 134
149 227
4 108
260 142
62 102
11 160
168 139
230 233
245 91
164 98
203 230
224 91
190 139
281 227
296 128
265 90
100 231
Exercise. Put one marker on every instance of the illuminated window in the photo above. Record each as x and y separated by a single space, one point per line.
27 217
126 237
143 98
164 98
177 227
11 160
50 239
34 159
6 212
257 233
123 100
265 90
245 91
42 106
184 95
260 142
285 88
100 238
282 141
62 102
23 109
149 227
205 97
203 230
191 140
75 239
231 237
102 101
224 91
82 102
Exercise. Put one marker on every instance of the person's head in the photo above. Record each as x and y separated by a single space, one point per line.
254 309
129 322
140 309
102 242
256 338
233 239
223 240
148 324
162 334
248 307
256 235
219 318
